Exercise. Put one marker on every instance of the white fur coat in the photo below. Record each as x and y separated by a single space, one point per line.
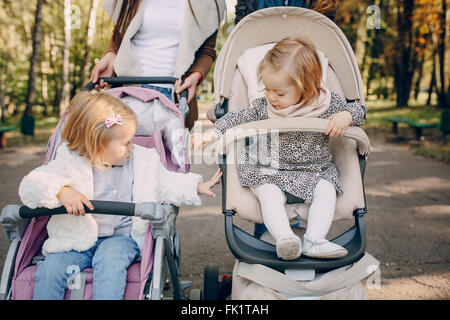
152 183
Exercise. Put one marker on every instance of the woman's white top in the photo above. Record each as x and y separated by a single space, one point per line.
158 38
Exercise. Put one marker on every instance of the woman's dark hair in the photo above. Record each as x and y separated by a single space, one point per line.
127 13
325 7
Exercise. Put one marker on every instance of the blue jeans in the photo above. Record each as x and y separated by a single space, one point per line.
165 91
110 258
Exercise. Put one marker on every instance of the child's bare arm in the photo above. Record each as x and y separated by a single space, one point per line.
205 187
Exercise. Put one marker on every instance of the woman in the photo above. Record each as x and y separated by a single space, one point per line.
163 38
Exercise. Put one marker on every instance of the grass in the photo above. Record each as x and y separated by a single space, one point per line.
377 112
433 147
437 151
44 127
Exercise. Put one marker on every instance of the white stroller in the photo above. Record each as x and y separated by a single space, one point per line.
258 273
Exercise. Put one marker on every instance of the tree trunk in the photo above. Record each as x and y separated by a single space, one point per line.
65 85
56 80
419 77
90 31
403 70
442 88
2 102
432 81
420 67
362 67
11 99
36 43
45 69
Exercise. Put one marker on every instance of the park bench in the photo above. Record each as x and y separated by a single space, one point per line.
2 136
418 126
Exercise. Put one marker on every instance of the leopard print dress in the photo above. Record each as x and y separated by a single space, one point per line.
294 161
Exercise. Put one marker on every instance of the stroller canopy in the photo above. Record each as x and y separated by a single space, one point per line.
273 24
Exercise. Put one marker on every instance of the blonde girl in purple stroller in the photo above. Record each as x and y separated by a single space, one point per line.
97 160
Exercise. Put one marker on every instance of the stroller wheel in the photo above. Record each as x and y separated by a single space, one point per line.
196 294
211 282
225 287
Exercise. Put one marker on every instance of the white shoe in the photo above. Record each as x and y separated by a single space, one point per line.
289 248
322 249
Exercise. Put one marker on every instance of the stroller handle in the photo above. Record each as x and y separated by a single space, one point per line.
145 210
12 216
103 207
120 81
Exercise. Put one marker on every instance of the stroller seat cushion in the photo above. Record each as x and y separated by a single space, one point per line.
152 116
24 283
158 115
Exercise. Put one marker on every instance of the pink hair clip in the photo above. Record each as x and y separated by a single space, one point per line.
113 119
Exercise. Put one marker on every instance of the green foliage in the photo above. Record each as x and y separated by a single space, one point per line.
16 26
375 49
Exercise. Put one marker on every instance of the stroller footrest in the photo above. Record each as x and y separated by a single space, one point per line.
251 250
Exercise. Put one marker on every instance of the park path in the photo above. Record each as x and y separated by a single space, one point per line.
408 220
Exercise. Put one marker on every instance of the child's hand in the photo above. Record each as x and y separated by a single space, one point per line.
73 201
205 187
201 140
339 122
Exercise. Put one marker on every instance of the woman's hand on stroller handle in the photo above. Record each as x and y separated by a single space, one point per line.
205 187
104 68
73 201
190 84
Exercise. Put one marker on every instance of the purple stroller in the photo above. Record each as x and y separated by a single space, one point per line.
160 126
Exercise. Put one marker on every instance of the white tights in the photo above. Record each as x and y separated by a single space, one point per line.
320 214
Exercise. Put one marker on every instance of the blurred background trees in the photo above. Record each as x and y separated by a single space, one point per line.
47 49
404 54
